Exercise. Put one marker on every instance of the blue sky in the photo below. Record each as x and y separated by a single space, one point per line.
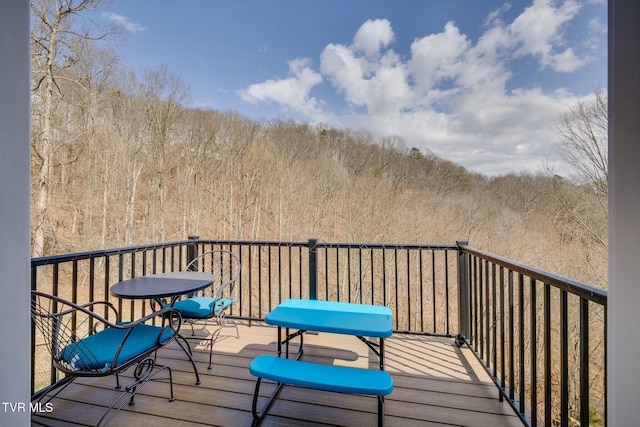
480 83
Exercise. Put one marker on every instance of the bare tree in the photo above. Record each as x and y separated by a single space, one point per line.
56 39
165 94
583 132
580 213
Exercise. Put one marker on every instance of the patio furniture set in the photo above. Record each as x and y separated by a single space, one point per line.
84 341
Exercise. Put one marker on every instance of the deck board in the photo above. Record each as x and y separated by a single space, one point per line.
435 383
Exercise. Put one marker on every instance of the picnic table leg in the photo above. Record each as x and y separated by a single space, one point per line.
259 416
288 337
279 341
380 411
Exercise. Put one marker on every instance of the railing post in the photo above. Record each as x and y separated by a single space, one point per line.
313 269
192 251
463 293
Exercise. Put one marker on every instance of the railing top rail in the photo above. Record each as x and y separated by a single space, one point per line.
53 259
251 242
322 244
580 289
386 246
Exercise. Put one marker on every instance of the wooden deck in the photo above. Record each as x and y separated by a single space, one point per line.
436 383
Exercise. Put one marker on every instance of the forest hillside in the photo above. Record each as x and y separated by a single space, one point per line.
120 159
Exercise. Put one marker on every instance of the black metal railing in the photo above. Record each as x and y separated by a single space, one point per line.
542 337
488 303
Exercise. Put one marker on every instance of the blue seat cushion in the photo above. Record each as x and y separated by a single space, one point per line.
201 307
97 351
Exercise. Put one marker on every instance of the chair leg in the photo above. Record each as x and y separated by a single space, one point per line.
214 338
187 350
235 325
216 335
145 370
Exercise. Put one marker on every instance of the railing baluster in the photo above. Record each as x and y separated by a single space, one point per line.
433 289
584 362
484 321
349 290
521 344
107 271
249 270
372 269
494 320
408 271
92 280
132 274
512 375
289 271
395 278
338 297
476 304
120 278
564 359
533 353
74 288
502 337
360 274
55 291
446 291
269 277
279 274
421 290
260 282
326 274
384 279
547 355
144 273
299 274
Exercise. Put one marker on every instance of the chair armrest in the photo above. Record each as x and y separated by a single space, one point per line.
166 313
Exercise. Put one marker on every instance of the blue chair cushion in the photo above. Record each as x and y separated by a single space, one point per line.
201 307
97 351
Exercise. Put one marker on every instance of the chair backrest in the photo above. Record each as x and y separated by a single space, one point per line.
62 323
224 265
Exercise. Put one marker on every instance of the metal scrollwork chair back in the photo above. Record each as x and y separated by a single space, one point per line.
213 303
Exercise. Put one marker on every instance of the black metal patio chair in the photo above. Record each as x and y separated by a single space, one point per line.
212 303
83 343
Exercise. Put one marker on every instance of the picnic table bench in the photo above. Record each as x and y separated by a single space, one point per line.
341 379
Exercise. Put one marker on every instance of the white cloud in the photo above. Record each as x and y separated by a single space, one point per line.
451 95
538 31
437 57
124 22
380 85
292 91
372 36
